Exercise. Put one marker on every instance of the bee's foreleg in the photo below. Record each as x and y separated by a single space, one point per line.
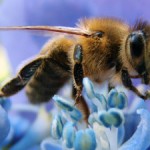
126 80
78 78
110 87
74 91
78 70
16 84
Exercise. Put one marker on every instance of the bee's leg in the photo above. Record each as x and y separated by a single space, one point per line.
22 78
126 80
78 78
110 87
78 71
145 78
74 91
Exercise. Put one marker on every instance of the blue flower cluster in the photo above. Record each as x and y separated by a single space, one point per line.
4 121
63 127
105 130
111 122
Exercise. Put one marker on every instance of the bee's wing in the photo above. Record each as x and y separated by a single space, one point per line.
49 29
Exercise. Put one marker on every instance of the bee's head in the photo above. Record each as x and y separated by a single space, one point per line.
138 50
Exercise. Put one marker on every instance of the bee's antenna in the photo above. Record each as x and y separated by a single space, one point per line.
68 30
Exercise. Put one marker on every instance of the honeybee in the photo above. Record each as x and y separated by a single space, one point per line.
99 48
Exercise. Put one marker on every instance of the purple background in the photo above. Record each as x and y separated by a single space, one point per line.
22 45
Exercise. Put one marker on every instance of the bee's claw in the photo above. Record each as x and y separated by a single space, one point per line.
77 100
147 95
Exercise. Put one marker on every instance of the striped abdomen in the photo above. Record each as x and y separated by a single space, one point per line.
53 73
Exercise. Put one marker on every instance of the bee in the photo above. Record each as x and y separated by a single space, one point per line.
102 49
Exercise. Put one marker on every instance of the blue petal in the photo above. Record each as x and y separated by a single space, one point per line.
102 103
69 134
122 98
62 103
88 88
92 118
68 108
102 137
5 103
36 133
141 138
121 134
49 144
130 125
85 140
113 117
56 127
19 127
118 115
76 115
19 130
105 118
8 139
137 103
98 99
4 124
117 99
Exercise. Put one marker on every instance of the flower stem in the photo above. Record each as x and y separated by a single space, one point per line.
113 138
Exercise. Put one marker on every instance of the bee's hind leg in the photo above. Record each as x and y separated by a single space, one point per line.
78 78
126 80
17 83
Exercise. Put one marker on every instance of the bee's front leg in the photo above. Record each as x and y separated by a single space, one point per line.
126 80
110 87
78 71
78 78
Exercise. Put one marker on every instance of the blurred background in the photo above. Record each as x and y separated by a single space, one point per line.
23 45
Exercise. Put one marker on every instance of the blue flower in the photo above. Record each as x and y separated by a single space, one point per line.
111 121
4 125
106 129
36 133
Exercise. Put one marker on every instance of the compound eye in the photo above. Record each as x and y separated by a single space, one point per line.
98 34
136 44
137 49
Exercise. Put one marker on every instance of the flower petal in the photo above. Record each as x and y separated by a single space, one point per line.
101 101
141 138
5 103
62 103
68 108
92 118
4 124
19 130
88 88
85 140
101 137
69 135
98 99
50 144
37 132
75 115
113 117
56 127
137 103
121 134
117 99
